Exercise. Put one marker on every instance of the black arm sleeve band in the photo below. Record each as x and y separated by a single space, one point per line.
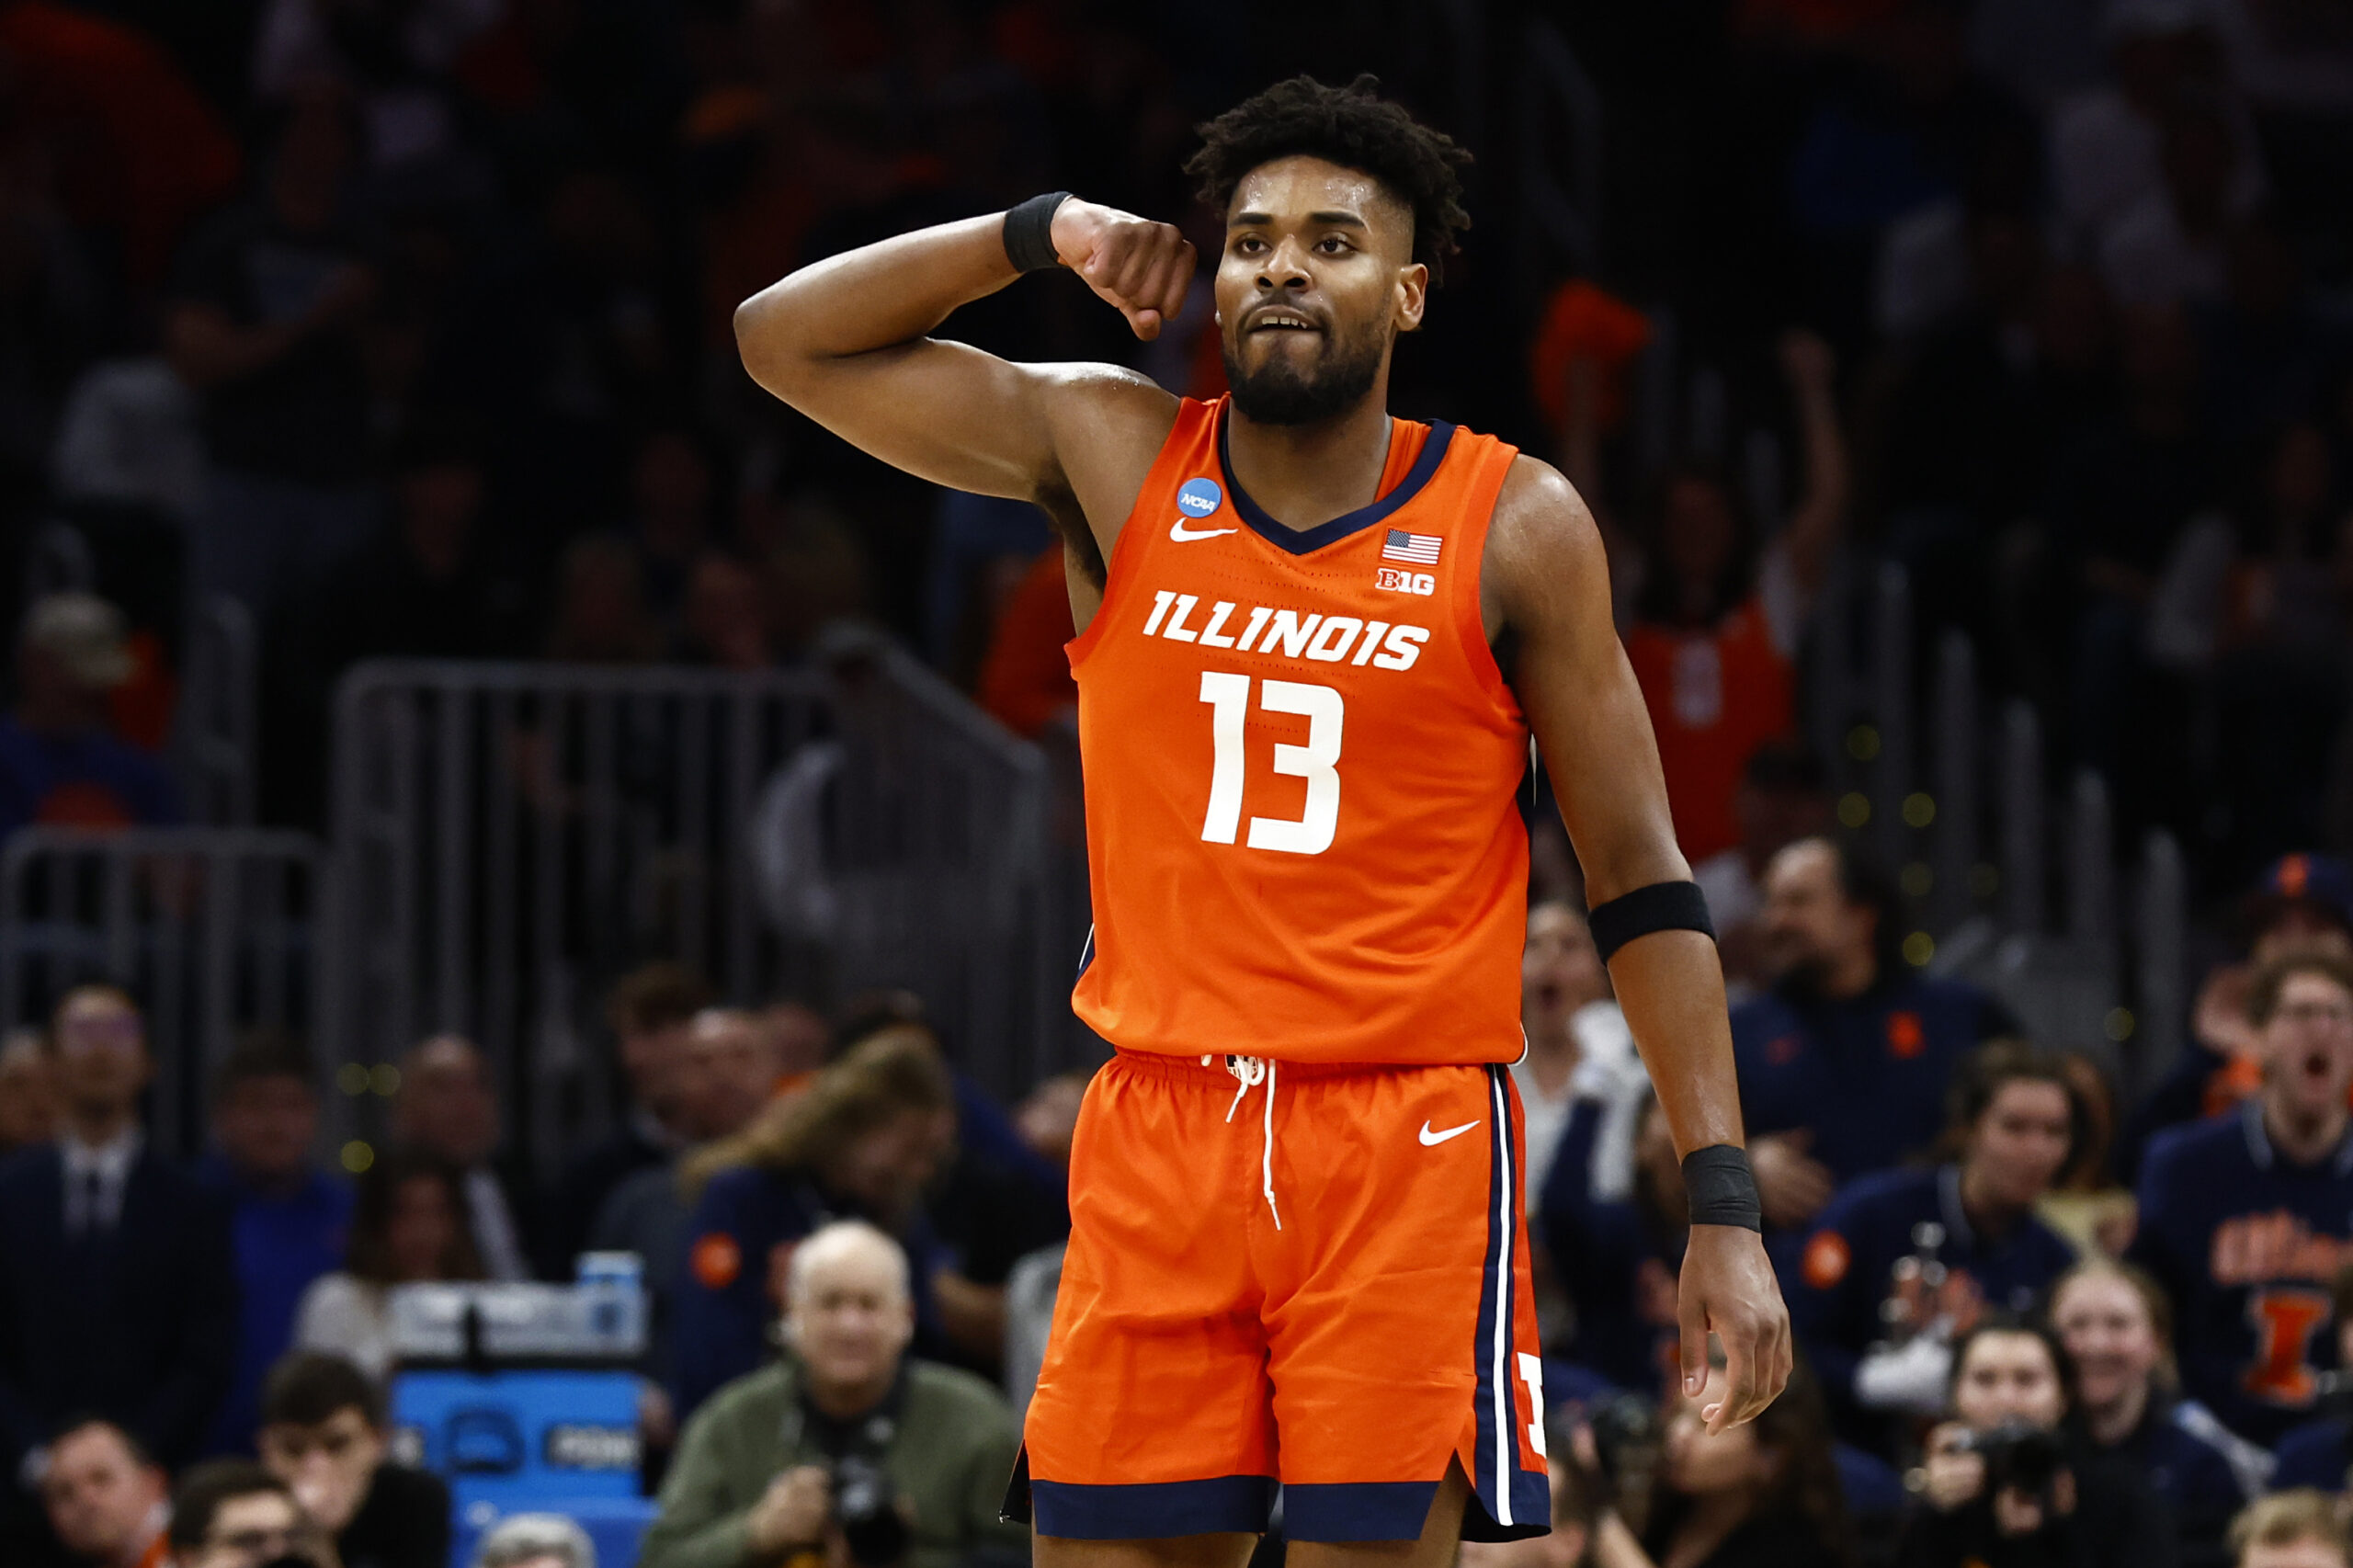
1722 1189
1029 232
1662 907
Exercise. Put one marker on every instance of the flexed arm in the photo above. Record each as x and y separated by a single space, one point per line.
845 342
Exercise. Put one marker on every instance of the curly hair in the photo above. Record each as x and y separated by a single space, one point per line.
1351 126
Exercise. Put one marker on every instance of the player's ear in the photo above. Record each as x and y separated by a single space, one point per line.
1412 296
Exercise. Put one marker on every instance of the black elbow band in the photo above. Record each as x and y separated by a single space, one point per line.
1029 232
1722 1189
1662 907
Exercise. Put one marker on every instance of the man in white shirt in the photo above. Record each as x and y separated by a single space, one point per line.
1579 1048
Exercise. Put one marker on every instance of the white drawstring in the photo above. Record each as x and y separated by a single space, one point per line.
1249 1072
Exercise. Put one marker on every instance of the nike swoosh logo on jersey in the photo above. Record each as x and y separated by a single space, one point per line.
1183 535
1432 1139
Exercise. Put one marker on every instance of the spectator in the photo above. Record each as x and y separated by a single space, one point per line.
1578 1049
756 1476
1764 1493
234 1514
288 1218
1720 613
1025 681
117 1294
730 1065
600 612
27 1094
323 1434
58 762
1843 1067
726 623
2303 903
2319 1453
535 1541
1782 799
2291 1530
1617 1258
2118 1328
447 1106
862 1141
1903 1263
670 489
649 1012
265 323
108 1501
408 1226
2002 1488
2245 1217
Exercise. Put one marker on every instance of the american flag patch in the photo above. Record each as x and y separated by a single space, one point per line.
1419 548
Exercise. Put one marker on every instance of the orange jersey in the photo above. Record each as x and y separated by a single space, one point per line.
1300 763
1714 698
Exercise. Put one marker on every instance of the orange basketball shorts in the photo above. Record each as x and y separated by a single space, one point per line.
1313 1276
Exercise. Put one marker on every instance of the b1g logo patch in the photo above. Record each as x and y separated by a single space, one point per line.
1398 582
1199 497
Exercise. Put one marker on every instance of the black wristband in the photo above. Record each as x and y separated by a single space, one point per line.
1029 232
1721 1188
1661 907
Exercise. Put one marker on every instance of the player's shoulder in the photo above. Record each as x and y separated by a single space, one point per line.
1539 508
1094 398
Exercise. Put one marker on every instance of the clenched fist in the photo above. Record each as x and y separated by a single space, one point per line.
1140 267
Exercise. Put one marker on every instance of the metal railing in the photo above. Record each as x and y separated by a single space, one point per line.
217 729
2079 971
212 929
509 838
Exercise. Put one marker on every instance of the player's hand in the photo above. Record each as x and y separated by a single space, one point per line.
1790 1184
793 1512
1728 1289
1140 267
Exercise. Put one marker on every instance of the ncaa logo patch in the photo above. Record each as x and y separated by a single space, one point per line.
1199 497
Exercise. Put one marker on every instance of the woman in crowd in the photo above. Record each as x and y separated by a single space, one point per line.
408 1227
1761 1495
1902 1261
2118 1328
862 1141
2003 1486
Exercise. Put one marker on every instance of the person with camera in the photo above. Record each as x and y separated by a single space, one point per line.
2118 1328
1902 1261
2002 1486
846 1448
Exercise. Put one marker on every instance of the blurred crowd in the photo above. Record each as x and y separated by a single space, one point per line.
401 326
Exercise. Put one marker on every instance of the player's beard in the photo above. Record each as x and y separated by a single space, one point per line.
1283 392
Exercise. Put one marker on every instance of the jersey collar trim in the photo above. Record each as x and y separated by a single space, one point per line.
1296 541
2258 1141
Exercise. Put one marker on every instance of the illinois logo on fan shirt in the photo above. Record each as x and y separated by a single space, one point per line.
1905 1037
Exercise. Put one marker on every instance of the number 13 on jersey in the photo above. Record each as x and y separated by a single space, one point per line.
1228 696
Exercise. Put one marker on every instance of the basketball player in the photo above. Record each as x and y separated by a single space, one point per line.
1314 641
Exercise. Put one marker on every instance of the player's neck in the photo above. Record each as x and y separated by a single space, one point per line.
2305 1137
1305 475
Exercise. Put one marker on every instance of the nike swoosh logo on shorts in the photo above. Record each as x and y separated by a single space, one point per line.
1183 535
1432 1139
